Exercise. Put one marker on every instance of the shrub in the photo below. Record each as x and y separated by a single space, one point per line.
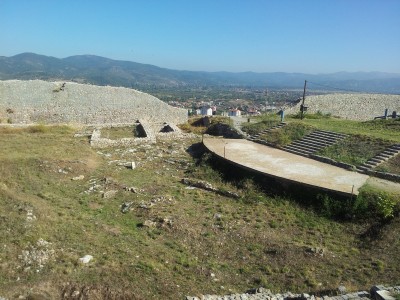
317 115
40 128
385 207
336 207
372 202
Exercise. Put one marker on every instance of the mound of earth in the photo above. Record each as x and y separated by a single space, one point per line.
350 106
36 101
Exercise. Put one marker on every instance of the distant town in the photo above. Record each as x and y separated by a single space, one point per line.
229 101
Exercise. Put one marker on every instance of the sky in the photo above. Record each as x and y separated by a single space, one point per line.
305 36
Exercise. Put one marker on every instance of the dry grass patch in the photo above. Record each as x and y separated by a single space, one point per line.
173 240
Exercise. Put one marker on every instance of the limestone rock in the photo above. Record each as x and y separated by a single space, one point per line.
109 194
149 224
86 259
126 206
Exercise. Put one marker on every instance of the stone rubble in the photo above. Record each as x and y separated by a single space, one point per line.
154 201
109 194
37 256
378 292
126 207
208 187
34 101
151 133
80 177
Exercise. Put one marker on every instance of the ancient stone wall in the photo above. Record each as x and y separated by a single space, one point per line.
378 292
152 133
96 141
34 101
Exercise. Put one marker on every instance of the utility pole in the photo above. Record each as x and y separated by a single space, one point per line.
302 108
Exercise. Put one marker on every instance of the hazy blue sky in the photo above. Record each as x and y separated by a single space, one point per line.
310 36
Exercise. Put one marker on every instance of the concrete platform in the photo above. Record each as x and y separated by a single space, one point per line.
281 164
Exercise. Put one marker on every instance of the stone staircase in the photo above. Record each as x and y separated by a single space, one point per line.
313 142
256 137
385 155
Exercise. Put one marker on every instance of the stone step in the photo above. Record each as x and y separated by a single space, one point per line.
297 152
332 133
317 142
362 168
385 158
300 148
323 134
369 165
384 155
377 160
305 147
328 134
321 139
307 142
390 152
313 143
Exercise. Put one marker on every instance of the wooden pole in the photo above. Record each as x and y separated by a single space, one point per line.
304 98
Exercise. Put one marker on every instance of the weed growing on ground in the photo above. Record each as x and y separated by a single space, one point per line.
40 128
372 202
317 116
115 133
194 241
380 129
254 128
355 149
287 135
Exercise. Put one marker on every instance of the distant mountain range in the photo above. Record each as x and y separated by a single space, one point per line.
104 71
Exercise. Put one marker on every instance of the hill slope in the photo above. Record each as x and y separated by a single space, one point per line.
153 238
59 102
351 106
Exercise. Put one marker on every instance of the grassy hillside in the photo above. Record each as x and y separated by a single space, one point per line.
365 140
381 129
152 237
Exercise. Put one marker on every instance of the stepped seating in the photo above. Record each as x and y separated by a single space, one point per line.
375 161
313 142
256 137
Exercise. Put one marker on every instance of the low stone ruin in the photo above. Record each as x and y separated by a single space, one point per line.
149 134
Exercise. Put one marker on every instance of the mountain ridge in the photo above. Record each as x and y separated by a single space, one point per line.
100 70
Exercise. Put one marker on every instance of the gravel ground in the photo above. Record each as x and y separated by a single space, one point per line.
33 101
351 106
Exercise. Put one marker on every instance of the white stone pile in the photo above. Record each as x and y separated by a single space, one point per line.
36 101
350 106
